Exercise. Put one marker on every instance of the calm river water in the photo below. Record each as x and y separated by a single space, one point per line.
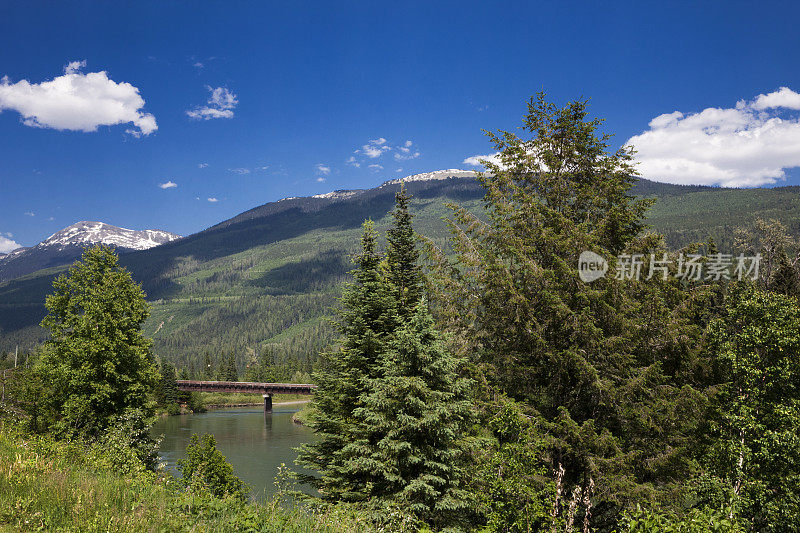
254 444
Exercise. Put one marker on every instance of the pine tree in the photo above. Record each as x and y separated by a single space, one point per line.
416 416
785 279
366 322
168 390
402 258
97 363
230 373
207 372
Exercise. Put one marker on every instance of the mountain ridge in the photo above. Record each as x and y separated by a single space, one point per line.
65 245
268 277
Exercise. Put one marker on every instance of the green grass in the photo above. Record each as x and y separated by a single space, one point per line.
217 398
61 486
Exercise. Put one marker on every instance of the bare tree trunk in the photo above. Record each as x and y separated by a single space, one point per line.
587 504
559 488
573 506
739 466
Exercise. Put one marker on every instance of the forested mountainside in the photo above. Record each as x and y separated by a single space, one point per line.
264 282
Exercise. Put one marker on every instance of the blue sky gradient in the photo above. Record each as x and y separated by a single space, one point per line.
316 81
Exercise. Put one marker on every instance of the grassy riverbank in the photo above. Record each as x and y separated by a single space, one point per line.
69 486
301 416
216 399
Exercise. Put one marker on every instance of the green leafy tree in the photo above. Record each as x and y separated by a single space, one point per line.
755 444
97 363
515 491
205 469
366 323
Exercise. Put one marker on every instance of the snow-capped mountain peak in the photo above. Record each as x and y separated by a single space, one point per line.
64 246
87 233
435 175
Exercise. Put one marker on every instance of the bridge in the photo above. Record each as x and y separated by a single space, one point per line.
266 390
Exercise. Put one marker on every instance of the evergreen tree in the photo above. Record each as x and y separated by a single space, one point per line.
366 322
229 371
168 388
207 371
785 279
588 361
415 418
402 258
97 362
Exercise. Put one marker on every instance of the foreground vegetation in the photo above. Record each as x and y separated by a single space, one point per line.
495 390
48 484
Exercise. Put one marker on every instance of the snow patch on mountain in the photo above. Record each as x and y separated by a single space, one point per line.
340 194
425 176
435 175
87 233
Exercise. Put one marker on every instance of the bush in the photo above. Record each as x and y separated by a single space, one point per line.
697 521
206 470
128 446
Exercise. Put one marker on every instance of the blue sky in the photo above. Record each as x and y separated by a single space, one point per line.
273 99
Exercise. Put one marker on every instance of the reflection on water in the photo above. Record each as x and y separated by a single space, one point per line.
254 443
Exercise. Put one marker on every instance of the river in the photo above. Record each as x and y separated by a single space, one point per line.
254 444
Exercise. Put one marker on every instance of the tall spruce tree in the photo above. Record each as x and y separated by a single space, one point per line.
367 321
416 415
404 273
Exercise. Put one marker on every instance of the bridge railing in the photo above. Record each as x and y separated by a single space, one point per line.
245 387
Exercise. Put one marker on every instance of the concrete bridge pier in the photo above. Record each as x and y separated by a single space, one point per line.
267 403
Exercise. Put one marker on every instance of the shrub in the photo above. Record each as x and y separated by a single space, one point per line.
206 470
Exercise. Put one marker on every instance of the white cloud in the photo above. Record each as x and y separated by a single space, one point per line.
213 200
9 235
50 219
265 167
401 157
746 146
7 245
77 101
220 104
377 147
168 185
404 152
239 170
372 151
399 170
375 168
783 97
320 179
323 169
30 213
198 65
475 160
202 165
